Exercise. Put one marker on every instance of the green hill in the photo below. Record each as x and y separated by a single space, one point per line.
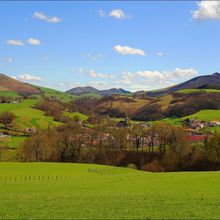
52 93
186 91
26 116
84 191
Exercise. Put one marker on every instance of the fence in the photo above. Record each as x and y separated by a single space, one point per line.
27 179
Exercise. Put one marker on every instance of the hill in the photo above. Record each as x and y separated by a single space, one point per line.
13 85
200 82
27 116
85 191
90 90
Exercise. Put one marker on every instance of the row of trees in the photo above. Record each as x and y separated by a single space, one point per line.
106 144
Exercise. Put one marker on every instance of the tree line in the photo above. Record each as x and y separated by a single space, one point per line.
161 147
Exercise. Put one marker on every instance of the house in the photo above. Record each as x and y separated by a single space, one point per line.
30 130
3 135
195 124
214 123
197 138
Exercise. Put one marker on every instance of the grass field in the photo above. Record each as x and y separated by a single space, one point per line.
26 116
12 141
203 115
58 94
186 91
206 115
81 191
81 116
9 94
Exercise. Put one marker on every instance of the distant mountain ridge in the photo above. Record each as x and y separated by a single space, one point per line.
89 89
200 82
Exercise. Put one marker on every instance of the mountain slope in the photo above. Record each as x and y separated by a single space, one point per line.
13 85
82 90
90 90
200 82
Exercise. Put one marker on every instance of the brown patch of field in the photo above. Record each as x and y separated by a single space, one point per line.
165 101
127 105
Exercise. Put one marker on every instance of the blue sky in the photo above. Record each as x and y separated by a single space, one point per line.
132 45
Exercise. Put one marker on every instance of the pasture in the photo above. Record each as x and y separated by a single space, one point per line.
83 191
205 115
27 116
62 96
188 91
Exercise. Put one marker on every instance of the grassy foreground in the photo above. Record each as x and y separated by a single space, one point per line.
82 191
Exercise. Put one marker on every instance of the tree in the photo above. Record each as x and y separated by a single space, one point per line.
7 118
214 147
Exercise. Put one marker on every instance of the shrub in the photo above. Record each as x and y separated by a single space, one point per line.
153 166
132 166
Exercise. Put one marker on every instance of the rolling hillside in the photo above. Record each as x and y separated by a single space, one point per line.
200 82
90 90
12 85
26 116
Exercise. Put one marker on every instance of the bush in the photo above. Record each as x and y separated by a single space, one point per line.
132 166
153 166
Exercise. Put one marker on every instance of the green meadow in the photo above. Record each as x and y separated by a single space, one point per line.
9 94
83 191
79 115
206 115
27 116
57 94
203 115
187 91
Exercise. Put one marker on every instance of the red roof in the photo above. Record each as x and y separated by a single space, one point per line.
197 138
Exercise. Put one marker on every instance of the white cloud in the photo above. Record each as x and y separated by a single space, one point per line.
94 74
115 13
13 77
80 70
27 77
33 41
94 57
126 50
42 16
147 79
6 60
181 73
9 60
160 54
61 84
102 13
160 75
207 10
15 42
